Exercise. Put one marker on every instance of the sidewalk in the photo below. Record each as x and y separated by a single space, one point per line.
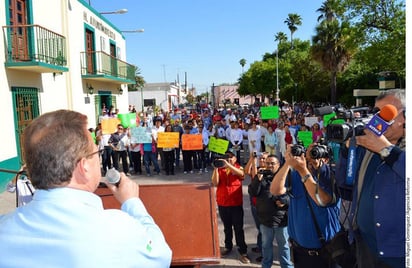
7 203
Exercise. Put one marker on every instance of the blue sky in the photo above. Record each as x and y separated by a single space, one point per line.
204 38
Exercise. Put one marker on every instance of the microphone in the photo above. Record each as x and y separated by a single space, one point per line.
113 176
382 119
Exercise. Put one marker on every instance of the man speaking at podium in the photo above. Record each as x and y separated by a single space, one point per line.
65 224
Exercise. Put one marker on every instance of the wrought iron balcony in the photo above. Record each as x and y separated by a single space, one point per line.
98 65
34 48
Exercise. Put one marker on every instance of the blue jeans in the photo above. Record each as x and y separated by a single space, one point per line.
281 235
256 221
147 157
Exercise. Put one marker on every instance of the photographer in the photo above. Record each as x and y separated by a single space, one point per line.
228 176
378 200
308 183
272 214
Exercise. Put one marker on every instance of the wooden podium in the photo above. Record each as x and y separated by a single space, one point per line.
186 214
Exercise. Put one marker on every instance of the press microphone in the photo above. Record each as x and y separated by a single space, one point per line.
113 176
382 119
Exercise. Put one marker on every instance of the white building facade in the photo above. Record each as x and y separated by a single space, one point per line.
56 54
166 96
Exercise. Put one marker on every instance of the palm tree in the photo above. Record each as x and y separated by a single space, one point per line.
330 10
242 63
280 37
333 48
292 21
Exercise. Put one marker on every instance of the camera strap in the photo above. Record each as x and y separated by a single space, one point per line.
352 162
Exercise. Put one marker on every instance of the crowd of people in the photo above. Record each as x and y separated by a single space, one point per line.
296 193
243 127
284 186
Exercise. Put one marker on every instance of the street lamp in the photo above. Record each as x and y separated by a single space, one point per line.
133 31
277 75
120 11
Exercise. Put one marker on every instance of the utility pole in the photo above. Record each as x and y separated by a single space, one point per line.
277 75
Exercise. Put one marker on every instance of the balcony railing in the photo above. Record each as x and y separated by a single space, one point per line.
100 65
34 45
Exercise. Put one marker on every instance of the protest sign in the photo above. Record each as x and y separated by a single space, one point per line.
109 125
192 142
270 112
140 135
305 137
218 145
168 139
127 120
310 120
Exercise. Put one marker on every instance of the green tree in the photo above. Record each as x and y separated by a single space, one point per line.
139 80
242 63
292 21
333 49
381 31
281 37
330 10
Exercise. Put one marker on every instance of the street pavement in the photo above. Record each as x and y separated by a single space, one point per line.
7 203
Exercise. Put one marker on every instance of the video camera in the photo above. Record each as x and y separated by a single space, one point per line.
218 163
353 126
267 174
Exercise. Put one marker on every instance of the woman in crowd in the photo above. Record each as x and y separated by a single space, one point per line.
254 137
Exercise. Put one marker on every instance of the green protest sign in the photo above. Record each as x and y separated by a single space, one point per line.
218 145
127 120
269 112
305 137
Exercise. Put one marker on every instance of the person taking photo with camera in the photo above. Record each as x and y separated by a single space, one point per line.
272 214
228 176
307 180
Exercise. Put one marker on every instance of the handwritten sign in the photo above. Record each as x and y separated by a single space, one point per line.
192 142
109 125
168 139
310 120
140 135
127 120
218 145
270 112
305 137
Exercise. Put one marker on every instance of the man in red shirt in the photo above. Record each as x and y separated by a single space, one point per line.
228 180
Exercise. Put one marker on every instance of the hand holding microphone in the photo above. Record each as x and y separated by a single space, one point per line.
382 119
122 187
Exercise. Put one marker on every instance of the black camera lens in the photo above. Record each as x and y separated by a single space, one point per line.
298 150
218 163
319 151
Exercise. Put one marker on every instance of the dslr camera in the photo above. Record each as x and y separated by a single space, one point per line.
298 150
320 151
218 163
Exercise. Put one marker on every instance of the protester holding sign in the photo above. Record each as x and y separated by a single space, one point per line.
168 154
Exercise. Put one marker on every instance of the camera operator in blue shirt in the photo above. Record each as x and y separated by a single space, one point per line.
378 198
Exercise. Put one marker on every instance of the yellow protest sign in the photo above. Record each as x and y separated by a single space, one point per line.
109 125
218 145
192 142
168 139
